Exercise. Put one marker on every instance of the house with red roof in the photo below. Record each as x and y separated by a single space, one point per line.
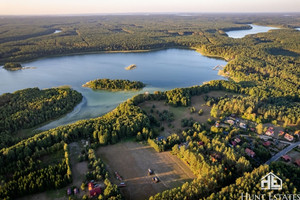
289 137
267 143
286 158
249 152
297 162
238 140
95 191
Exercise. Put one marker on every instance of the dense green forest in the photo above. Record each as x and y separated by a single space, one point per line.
27 108
128 120
108 84
264 77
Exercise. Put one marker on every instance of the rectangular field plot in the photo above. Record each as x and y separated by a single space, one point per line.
131 160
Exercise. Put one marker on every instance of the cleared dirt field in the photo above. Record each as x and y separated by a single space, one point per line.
131 160
183 112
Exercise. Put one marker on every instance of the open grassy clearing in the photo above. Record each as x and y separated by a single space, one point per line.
182 112
131 160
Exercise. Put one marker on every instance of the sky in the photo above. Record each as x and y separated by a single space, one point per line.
61 7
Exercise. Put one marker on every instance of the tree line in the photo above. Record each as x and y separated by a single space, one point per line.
117 84
29 107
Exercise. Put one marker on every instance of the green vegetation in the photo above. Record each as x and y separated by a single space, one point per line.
108 84
28 179
247 183
27 108
264 72
12 66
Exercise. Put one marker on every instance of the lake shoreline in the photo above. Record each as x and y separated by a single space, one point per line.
102 52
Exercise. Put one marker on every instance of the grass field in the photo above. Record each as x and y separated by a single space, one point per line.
131 160
182 112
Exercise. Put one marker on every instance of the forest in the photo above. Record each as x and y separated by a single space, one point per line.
114 85
262 70
30 107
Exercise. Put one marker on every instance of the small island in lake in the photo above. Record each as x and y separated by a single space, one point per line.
114 85
130 67
12 66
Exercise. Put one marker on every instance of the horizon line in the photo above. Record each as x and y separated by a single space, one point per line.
148 13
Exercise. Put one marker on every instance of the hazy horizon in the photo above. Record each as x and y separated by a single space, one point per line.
92 7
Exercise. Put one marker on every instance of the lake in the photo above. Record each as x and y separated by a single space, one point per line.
57 31
160 70
255 29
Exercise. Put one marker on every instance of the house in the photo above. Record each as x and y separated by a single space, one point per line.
200 143
238 140
90 186
297 162
252 129
270 131
249 152
69 191
243 125
217 124
95 191
289 137
267 143
230 121
233 143
281 133
76 191
286 158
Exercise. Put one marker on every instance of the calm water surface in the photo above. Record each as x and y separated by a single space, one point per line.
160 70
255 29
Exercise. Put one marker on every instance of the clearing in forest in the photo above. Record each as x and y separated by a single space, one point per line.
131 160
182 112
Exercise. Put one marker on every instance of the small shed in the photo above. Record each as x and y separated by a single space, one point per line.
69 191
76 191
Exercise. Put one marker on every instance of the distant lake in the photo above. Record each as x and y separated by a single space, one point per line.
255 29
160 70
298 29
57 31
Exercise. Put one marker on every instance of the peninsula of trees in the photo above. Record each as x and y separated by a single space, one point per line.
114 85
30 107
